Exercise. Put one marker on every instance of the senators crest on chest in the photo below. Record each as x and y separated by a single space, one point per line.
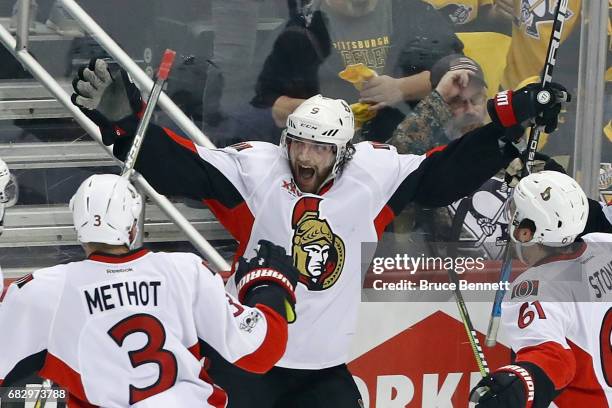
318 253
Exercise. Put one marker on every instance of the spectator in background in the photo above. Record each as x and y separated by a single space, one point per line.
456 106
485 32
398 40
234 44
531 28
447 112
532 23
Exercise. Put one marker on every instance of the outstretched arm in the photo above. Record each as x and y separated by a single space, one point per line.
458 169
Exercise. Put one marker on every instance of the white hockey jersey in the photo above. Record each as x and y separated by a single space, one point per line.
558 316
323 233
120 331
250 188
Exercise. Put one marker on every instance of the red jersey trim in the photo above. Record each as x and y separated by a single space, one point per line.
218 398
61 373
117 259
184 142
434 150
564 257
585 389
238 221
195 350
273 346
326 187
384 217
557 362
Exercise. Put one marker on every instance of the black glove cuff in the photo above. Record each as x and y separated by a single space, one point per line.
270 295
120 134
545 391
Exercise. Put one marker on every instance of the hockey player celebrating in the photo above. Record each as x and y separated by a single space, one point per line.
316 194
121 328
558 314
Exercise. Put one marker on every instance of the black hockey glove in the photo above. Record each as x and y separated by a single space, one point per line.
514 171
521 385
268 278
509 387
106 95
530 104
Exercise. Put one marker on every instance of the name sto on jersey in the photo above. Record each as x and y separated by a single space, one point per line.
557 316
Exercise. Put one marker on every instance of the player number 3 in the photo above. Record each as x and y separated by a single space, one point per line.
152 352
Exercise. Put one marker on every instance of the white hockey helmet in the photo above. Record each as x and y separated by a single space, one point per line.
554 203
9 191
322 120
104 209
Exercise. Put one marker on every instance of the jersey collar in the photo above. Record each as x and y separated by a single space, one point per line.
117 259
325 187
564 257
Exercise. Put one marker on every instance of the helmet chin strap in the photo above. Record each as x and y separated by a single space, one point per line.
334 169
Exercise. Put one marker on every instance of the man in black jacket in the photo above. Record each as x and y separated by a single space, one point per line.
399 40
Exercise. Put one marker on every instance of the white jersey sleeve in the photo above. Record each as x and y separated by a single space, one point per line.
28 310
253 338
386 166
242 164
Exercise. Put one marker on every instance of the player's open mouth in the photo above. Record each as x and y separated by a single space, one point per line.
305 173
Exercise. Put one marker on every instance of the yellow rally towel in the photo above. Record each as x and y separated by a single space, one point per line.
357 74
607 130
362 113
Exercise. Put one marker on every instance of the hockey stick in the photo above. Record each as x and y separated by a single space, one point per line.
41 401
479 356
532 146
162 76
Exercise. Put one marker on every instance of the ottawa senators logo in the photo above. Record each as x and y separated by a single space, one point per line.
546 194
525 289
317 252
536 12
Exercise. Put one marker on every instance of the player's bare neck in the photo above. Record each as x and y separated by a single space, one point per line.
101 248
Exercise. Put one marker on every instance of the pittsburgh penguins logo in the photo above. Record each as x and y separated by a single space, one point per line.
535 12
317 252
457 13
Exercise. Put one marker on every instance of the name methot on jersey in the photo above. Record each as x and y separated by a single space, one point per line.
108 295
